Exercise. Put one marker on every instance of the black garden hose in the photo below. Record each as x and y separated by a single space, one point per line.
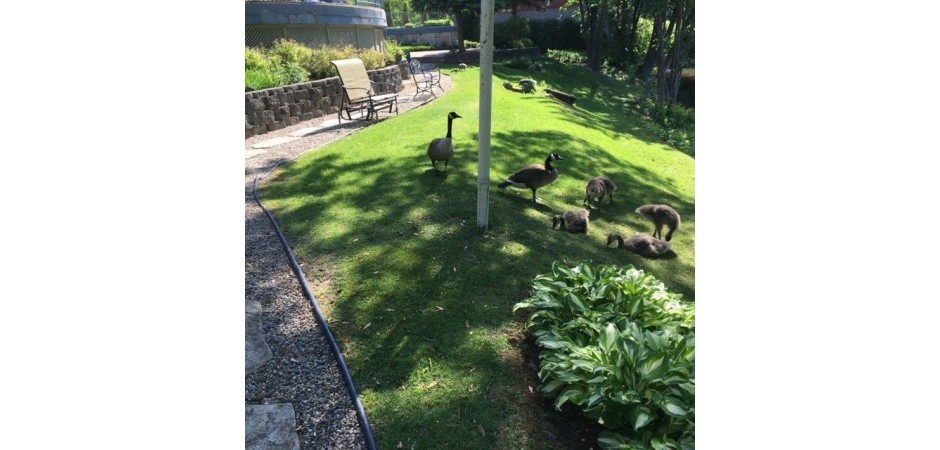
347 378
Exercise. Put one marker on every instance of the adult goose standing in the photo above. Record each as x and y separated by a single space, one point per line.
572 221
642 244
534 176
442 149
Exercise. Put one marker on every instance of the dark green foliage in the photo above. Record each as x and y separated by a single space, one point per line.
561 34
519 62
617 344
568 56
508 34
438 22
677 123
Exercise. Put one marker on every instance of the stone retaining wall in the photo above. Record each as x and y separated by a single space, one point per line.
275 108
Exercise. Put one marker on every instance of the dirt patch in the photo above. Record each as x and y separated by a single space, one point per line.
321 277
567 429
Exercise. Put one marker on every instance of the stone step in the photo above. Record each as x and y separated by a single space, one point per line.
271 427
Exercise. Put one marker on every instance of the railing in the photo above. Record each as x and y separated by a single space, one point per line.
369 3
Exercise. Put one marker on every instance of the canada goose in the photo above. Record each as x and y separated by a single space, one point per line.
442 149
572 221
534 176
642 244
661 215
597 187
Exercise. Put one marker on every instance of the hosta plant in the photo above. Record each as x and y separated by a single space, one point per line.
616 343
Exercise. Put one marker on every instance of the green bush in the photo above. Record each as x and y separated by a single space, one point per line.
409 25
393 52
514 29
676 124
256 79
471 44
438 22
289 62
561 34
286 51
256 58
519 62
416 47
617 344
568 56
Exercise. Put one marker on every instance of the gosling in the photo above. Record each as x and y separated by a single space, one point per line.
661 215
572 221
641 244
597 188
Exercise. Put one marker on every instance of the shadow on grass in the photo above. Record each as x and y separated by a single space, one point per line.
424 298
598 106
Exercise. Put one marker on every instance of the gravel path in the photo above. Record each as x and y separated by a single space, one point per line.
302 371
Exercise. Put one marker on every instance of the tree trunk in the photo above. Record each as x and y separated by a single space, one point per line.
585 23
595 55
458 22
632 35
652 53
661 59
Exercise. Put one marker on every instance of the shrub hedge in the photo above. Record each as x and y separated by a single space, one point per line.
289 62
617 344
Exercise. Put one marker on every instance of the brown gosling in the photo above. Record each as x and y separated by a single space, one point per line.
597 187
661 215
572 221
534 176
641 244
442 149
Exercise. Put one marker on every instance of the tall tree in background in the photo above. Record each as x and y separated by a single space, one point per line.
459 10
539 5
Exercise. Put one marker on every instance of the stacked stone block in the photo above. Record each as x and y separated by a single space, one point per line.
272 109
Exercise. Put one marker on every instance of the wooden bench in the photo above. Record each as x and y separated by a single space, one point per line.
359 91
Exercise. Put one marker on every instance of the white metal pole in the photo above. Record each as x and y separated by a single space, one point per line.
486 109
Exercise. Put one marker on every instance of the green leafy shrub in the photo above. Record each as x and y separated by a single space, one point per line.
286 51
519 62
256 58
471 44
514 29
438 22
676 124
416 47
393 52
562 34
622 348
568 56
256 79
521 43
409 25
289 62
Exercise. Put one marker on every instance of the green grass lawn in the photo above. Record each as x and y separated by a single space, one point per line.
419 297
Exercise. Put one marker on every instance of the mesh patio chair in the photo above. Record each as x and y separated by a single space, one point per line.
359 91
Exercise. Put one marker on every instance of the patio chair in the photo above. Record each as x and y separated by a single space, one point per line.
426 76
359 92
